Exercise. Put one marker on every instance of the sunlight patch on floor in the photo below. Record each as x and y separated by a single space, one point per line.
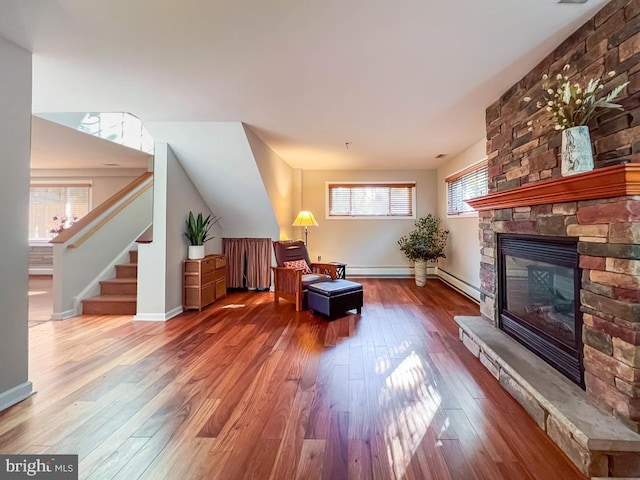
382 365
409 403
36 292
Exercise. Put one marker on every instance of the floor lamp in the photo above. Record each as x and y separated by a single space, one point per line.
305 219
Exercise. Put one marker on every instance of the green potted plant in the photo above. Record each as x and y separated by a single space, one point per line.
197 233
424 243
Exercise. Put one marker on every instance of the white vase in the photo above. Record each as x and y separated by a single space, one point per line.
195 252
576 155
420 270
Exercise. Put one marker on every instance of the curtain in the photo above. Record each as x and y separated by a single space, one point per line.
233 248
249 262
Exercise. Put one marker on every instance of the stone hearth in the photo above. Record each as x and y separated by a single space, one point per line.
598 444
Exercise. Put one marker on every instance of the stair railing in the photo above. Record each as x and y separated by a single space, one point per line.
88 251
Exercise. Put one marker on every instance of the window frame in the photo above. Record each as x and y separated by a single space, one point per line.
459 175
389 183
56 183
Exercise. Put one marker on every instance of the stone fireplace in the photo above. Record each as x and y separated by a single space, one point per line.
607 235
598 211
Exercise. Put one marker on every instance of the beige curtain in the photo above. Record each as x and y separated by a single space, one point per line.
249 262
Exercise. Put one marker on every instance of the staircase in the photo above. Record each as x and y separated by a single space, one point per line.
117 295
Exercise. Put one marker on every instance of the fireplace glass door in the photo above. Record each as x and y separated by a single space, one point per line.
539 299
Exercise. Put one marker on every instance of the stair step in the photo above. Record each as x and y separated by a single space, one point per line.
127 270
119 286
133 256
109 305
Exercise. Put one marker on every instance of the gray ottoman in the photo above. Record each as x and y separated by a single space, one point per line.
334 297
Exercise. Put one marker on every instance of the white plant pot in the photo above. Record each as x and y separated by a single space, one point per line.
196 252
420 270
576 155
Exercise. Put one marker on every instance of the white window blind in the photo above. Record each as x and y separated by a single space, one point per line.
55 207
371 199
467 184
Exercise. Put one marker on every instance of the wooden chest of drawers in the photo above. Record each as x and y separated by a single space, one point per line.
204 281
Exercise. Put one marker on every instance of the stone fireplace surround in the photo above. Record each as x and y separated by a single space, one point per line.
528 195
601 208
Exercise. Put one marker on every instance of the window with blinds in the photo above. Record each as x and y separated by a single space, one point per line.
52 208
393 200
469 183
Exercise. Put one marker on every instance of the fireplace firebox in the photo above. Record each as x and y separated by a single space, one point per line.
539 298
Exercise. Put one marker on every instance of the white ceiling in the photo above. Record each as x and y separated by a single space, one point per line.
402 81
54 146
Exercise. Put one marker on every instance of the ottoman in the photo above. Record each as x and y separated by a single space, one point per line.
336 296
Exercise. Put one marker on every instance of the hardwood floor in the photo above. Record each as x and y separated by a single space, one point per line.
248 390
40 299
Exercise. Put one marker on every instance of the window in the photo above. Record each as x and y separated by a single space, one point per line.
469 183
386 200
54 207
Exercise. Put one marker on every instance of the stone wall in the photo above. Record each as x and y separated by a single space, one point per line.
608 229
608 42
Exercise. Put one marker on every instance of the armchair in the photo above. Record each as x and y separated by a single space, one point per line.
291 283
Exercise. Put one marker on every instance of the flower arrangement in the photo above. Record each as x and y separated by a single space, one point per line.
571 104
61 223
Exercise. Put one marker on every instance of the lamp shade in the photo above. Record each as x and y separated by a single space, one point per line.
305 219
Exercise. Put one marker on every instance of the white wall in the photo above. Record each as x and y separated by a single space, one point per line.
15 133
160 262
104 182
152 264
368 246
184 198
278 179
462 265
218 159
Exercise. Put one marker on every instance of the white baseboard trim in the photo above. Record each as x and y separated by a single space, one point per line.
384 271
464 287
64 315
158 317
40 270
15 395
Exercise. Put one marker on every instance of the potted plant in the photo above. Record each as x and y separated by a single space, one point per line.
425 243
198 232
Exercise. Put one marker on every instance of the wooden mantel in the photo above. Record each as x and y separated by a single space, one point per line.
608 182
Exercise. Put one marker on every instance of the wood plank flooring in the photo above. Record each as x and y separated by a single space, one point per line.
40 299
248 390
